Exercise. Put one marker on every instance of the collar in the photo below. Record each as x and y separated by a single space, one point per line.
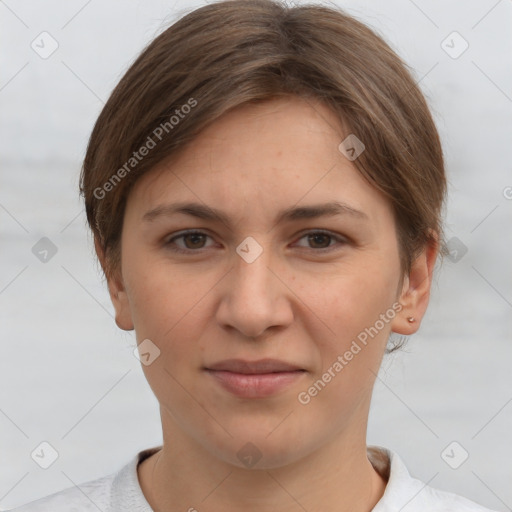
127 494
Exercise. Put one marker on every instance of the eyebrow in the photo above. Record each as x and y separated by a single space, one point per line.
293 213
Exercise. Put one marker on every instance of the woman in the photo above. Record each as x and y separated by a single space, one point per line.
265 188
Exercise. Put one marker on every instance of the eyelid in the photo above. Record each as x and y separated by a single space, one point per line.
181 234
341 239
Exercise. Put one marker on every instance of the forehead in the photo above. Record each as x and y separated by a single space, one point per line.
261 157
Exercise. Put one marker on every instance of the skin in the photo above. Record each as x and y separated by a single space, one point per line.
294 303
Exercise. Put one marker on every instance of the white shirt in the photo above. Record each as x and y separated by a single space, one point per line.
120 491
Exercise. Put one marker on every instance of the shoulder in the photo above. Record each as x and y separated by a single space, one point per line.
404 492
114 492
93 495
444 501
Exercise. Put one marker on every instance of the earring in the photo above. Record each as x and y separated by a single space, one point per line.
410 319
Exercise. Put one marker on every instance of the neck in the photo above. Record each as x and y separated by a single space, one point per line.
338 477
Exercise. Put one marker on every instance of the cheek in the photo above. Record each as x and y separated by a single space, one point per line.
357 297
157 296
350 354
351 306
170 306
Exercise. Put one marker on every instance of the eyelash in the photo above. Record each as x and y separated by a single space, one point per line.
324 250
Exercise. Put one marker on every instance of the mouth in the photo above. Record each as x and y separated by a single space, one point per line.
254 379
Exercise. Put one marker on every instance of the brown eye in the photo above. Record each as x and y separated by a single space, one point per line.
196 240
193 241
321 241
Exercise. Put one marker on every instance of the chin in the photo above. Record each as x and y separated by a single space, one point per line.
255 450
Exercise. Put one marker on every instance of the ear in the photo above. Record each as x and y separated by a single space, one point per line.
117 292
415 293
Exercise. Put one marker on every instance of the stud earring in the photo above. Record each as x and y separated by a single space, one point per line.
410 319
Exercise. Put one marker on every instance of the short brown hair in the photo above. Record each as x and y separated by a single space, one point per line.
233 52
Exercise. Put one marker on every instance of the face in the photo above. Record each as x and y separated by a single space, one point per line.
273 278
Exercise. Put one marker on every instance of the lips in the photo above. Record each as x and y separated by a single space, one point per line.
254 367
254 379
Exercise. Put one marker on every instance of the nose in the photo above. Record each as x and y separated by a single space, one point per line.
255 297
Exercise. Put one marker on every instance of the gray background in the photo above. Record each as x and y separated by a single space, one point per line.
68 375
